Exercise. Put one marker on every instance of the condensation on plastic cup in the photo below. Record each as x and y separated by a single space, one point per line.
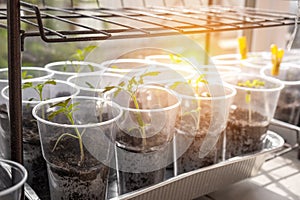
16 173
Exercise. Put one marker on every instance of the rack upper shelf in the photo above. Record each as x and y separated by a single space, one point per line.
56 24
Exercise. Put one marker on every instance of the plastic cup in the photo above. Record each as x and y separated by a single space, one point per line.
12 179
250 113
70 170
288 107
64 69
29 73
202 121
145 136
32 73
33 159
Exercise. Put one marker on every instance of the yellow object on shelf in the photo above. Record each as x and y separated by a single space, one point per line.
243 47
277 55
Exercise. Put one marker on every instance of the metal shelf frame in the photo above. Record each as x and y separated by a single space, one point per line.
147 21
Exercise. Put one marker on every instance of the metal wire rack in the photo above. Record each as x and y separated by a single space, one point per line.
73 23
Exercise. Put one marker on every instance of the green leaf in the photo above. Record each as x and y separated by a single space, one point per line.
122 84
176 84
108 88
88 49
175 58
92 68
25 76
27 85
90 85
55 113
50 82
62 103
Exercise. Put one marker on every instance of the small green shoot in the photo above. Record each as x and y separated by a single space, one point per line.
38 88
131 86
25 75
175 58
66 108
80 56
89 85
250 84
195 85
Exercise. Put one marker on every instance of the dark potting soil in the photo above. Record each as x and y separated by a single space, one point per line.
244 137
4 133
189 135
71 181
139 144
288 110
33 159
129 182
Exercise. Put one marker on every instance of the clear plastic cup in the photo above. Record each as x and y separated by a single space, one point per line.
250 113
12 179
33 159
94 84
64 69
145 135
205 109
28 73
78 148
288 107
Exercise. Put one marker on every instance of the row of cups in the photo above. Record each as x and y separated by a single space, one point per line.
87 81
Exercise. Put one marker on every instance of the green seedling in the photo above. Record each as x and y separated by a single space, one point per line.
25 75
195 85
80 55
38 88
90 85
66 108
175 58
250 84
131 86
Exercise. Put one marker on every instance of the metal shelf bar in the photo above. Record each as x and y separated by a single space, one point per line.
150 21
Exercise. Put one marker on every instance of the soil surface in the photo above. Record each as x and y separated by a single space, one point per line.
189 135
244 137
71 180
288 110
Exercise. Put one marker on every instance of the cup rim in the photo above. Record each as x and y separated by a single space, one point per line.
177 104
20 183
270 79
124 60
68 62
88 125
227 96
34 81
51 73
289 83
92 74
